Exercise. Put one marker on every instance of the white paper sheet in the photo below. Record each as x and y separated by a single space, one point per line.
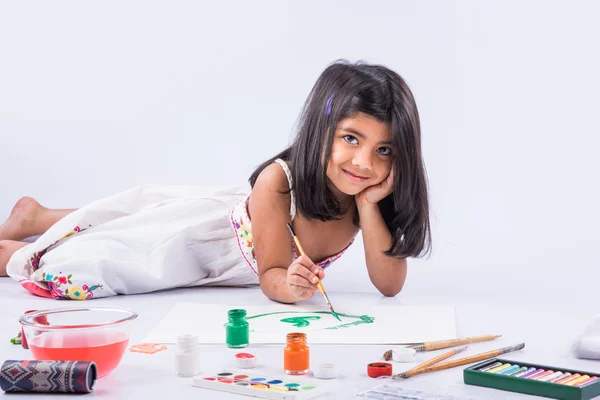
372 325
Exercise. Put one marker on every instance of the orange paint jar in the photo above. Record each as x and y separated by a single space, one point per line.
295 354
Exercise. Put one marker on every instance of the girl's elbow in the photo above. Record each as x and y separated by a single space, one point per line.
391 290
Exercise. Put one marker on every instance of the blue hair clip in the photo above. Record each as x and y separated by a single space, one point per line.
329 104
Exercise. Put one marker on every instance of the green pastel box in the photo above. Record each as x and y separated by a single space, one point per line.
473 376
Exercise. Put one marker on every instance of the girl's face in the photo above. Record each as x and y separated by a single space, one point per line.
361 154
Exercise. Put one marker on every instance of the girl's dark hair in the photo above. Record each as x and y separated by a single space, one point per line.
343 90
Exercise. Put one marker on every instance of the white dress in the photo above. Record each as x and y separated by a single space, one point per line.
145 239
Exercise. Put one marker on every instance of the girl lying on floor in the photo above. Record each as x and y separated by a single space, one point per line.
355 164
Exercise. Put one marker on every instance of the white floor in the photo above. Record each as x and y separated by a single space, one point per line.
547 330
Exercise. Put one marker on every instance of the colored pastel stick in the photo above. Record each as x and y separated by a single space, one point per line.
536 372
588 382
576 381
542 375
548 378
522 369
488 367
527 371
500 368
583 382
509 370
567 379
558 378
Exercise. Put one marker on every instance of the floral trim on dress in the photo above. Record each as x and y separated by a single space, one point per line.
74 292
58 285
243 233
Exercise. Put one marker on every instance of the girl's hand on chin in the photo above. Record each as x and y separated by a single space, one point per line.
374 194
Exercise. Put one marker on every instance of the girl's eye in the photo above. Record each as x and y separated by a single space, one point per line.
385 151
351 139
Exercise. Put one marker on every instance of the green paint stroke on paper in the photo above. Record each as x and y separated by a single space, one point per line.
364 319
303 321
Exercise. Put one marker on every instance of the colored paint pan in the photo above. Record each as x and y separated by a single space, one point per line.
255 385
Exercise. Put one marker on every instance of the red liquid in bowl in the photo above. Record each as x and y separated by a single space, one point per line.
104 348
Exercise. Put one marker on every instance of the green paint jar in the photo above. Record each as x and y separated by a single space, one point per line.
237 331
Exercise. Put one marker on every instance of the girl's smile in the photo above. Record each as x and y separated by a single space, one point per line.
355 177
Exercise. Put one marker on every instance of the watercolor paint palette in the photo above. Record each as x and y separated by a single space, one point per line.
538 380
257 385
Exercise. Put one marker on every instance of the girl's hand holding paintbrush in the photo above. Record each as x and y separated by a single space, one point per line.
318 282
302 277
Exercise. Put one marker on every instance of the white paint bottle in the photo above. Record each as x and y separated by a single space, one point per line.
187 358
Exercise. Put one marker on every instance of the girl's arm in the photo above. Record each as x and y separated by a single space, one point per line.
387 273
269 209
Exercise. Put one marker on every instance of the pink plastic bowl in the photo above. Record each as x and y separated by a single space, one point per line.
98 334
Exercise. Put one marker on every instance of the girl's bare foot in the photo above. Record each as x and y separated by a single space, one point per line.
22 220
29 218
7 249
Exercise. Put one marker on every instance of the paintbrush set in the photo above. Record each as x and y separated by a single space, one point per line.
429 366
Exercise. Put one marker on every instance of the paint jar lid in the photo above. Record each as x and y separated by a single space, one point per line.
187 342
326 371
404 354
377 369
245 360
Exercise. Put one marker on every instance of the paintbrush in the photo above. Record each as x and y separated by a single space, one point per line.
443 344
438 358
319 283
460 361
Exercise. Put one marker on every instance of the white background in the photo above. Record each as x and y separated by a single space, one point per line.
96 97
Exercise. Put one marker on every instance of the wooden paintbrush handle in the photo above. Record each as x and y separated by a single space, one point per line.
455 363
442 344
438 359
463 361
299 246
320 286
